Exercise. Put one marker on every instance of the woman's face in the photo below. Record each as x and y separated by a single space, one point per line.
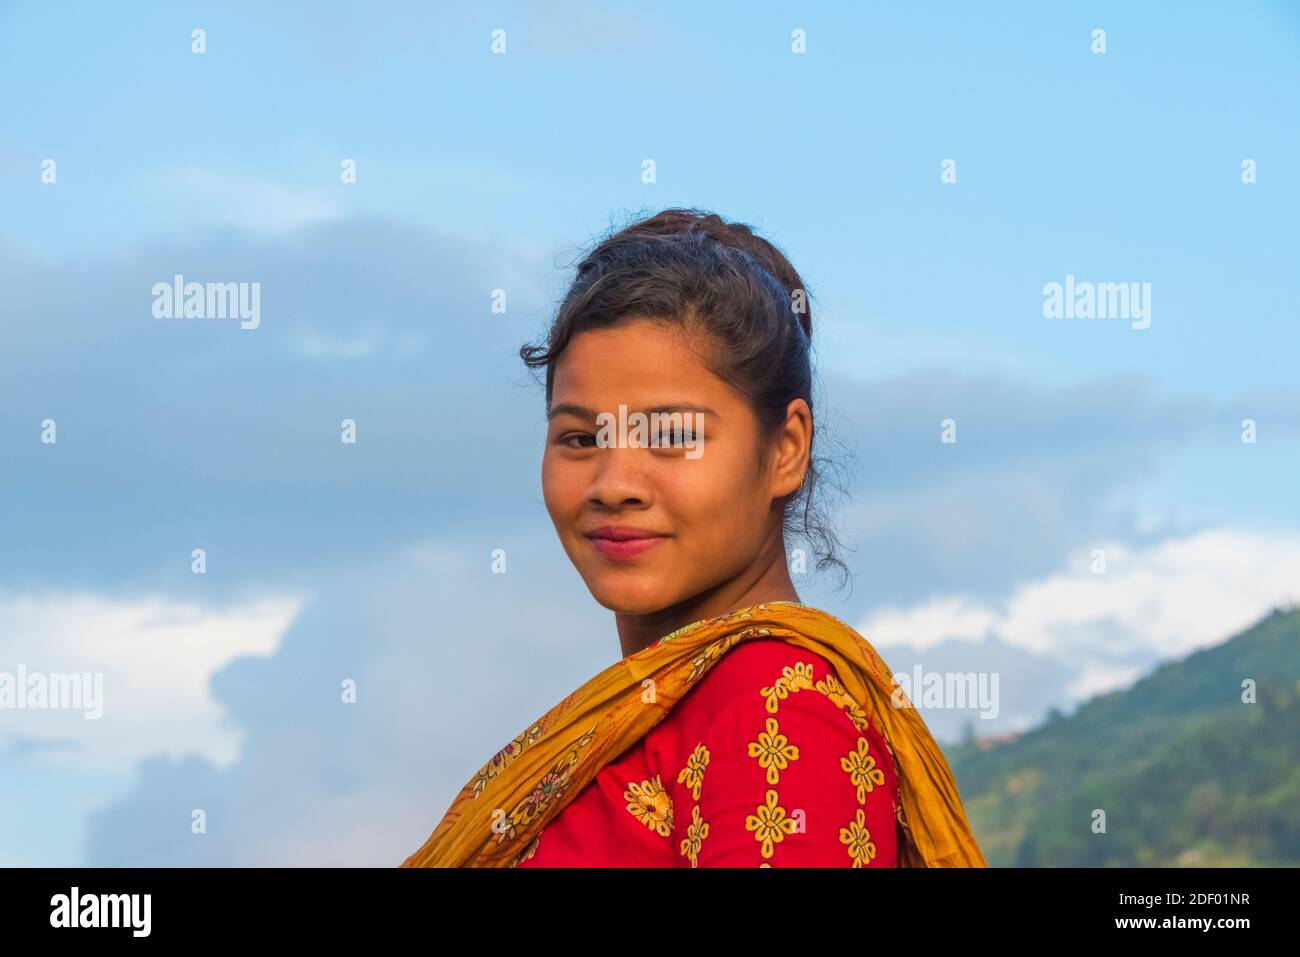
709 510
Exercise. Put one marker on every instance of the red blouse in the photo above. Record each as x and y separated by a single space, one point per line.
765 763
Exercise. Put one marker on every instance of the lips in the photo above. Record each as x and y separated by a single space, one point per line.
621 542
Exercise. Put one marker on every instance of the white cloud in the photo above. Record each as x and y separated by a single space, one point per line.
944 619
1099 678
1154 603
156 657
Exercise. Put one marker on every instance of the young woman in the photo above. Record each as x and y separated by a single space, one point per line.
741 728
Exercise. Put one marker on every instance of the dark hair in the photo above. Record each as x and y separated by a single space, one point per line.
690 268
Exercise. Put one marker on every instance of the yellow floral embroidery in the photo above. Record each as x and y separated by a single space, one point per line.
792 679
775 694
693 774
800 676
830 686
709 656
551 786
501 760
651 805
770 825
858 838
696 832
773 750
712 653
862 770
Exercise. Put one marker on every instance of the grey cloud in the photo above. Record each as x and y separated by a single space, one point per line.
450 662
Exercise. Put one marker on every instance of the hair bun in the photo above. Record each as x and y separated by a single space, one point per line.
680 221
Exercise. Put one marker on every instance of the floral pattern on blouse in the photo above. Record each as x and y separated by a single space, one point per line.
768 763
693 774
695 835
651 805
773 751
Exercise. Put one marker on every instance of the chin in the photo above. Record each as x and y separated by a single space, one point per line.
630 598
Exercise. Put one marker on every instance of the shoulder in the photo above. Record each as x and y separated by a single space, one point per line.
767 765
764 676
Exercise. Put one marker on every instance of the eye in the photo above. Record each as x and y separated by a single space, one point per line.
577 440
678 437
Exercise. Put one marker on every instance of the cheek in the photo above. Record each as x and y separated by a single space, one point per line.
558 486
719 500
551 484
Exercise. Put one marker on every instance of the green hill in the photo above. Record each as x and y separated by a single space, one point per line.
1186 773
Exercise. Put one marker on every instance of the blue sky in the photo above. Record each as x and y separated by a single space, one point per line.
477 172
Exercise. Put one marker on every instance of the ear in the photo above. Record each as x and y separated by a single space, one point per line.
793 449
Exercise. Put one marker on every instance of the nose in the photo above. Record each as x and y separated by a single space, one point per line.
621 480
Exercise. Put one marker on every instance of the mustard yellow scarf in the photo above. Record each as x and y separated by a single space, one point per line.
503 808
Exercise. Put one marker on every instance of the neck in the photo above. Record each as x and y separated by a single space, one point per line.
768 580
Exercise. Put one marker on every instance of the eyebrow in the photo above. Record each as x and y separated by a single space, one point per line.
582 412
